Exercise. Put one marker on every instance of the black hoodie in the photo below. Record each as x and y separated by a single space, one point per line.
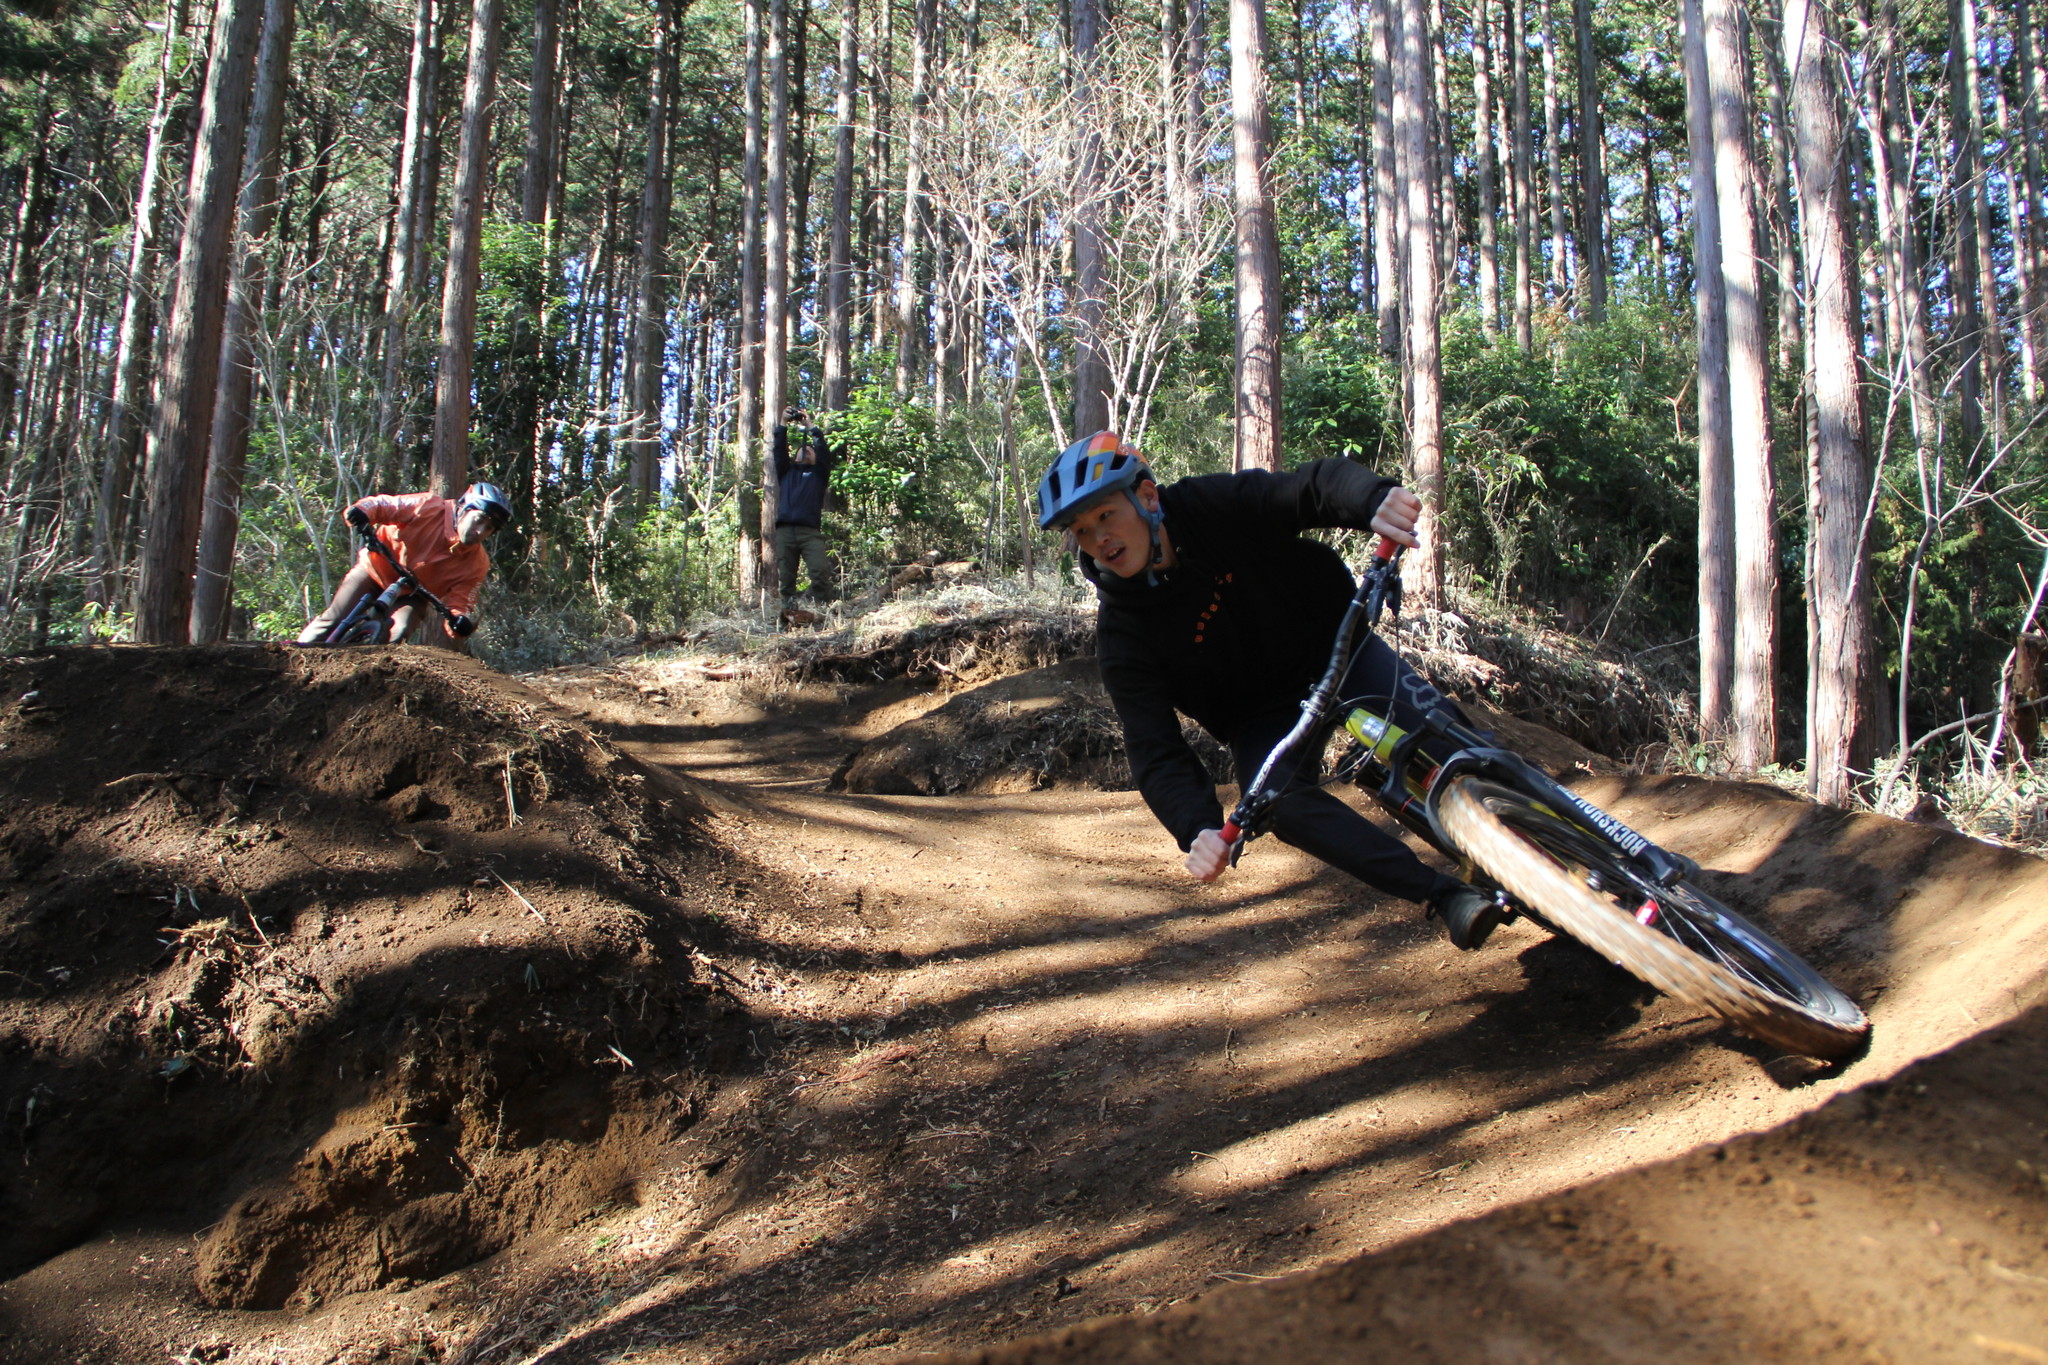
800 497
1237 631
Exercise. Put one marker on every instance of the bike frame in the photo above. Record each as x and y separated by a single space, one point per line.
1411 784
405 587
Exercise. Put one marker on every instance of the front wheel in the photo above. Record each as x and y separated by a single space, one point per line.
1677 938
366 628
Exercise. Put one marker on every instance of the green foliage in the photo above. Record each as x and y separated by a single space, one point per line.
1969 576
522 364
904 487
1564 470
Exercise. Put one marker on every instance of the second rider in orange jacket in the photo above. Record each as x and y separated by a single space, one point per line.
439 541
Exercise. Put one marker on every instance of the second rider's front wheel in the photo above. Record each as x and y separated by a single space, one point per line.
1678 939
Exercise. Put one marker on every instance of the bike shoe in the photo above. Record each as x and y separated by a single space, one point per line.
1468 913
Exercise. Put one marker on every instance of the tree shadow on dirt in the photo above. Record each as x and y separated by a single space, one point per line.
1122 1170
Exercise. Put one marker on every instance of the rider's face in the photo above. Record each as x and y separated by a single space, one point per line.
474 526
1113 534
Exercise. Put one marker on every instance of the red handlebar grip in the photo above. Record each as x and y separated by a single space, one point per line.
1230 831
1387 548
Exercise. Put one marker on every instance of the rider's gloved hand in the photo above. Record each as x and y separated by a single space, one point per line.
463 625
1208 855
358 518
1398 516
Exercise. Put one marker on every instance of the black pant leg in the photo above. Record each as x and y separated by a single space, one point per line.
1377 673
1313 820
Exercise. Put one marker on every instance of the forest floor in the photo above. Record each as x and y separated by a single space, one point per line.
371 1007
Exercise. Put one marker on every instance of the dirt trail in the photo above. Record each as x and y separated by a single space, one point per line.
992 1066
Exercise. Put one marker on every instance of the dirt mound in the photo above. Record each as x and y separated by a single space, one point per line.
1049 727
968 648
365 943
1055 727
1551 678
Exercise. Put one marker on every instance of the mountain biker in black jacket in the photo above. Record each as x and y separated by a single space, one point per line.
1213 605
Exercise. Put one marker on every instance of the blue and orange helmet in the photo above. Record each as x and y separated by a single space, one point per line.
1087 469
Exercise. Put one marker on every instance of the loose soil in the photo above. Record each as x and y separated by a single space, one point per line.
370 1007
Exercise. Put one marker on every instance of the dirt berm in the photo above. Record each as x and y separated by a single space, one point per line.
1904 1222
365 960
368 1007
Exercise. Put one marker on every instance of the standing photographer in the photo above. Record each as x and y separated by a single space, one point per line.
802 476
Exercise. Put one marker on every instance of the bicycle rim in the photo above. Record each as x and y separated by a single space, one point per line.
1686 943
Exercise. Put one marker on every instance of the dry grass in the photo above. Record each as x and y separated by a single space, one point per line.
1602 699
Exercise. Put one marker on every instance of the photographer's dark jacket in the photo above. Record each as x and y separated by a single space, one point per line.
800 498
1237 631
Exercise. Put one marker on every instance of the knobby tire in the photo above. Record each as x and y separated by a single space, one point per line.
367 630
1702 952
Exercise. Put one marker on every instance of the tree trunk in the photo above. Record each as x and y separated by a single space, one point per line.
1971 328
1754 712
1524 196
24 277
1483 167
1979 220
191 355
1553 159
1425 365
650 318
1653 212
910 250
450 471
1091 367
775 308
1838 728
838 326
1716 461
1908 270
748 427
1593 171
220 525
1779 220
1442 141
1257 444
1173 135
2018 224
138 313
874 234
2034 195
409 223
539 173
1386 232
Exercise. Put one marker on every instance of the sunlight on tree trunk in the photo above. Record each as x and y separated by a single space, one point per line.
1753 713
1258 248
1838 736
1716 460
